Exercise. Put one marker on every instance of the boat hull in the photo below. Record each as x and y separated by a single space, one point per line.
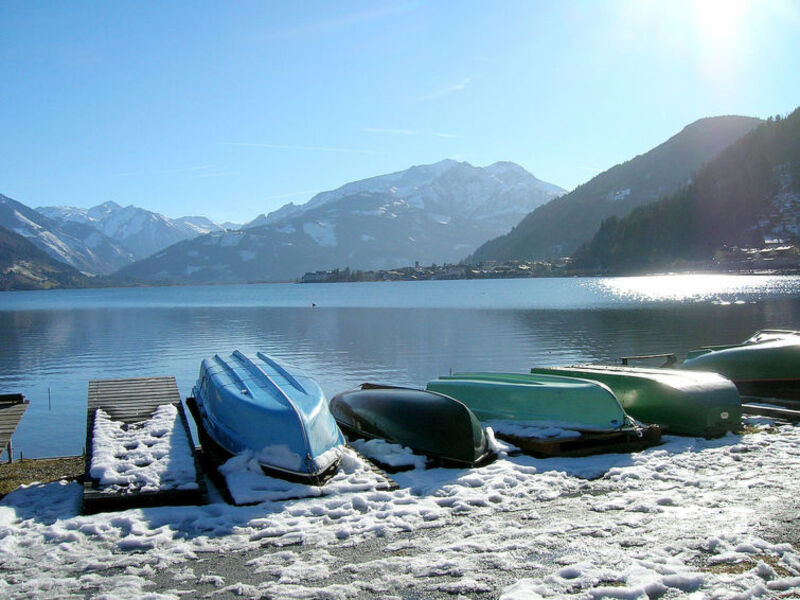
695 404
768 364
277 412
428 423
558 401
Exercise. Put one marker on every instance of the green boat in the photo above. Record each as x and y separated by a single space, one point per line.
766 364
549 400
684 403
432 424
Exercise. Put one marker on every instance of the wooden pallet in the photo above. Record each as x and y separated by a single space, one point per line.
787 414
133 401
12 408
587 444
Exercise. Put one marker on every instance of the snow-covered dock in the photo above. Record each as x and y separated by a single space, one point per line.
138 446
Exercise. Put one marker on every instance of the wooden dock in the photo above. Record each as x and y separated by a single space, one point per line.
133 401
12 407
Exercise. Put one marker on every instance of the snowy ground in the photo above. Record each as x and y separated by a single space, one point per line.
691 518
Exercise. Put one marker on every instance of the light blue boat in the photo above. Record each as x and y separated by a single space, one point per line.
276 411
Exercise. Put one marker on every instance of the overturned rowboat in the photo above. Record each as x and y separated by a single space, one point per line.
558 401
253 403
428 423
683 402
548 415
766 364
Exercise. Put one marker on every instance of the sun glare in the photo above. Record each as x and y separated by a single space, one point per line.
719 22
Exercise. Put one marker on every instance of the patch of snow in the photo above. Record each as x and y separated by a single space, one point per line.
618 195
246 255
321 232
441 219
367 238
149 456
248 484
287 229
393 455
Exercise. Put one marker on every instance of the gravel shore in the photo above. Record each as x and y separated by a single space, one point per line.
42 470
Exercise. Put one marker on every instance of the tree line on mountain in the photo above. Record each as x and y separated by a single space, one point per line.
722 206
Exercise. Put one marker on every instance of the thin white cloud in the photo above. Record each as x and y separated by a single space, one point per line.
299 148
449 89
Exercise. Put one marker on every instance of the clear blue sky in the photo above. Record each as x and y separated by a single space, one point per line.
231 109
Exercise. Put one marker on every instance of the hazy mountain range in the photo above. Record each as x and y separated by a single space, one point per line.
427 214
720 181
139 231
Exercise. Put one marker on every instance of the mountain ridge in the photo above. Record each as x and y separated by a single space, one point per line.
24 266
140 231
427 213
100 255
748 195
557 228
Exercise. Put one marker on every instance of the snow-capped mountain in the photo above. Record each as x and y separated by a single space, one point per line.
141 231
431 213
505 180
73 243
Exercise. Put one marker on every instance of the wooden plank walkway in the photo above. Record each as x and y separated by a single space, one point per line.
133 401
12 407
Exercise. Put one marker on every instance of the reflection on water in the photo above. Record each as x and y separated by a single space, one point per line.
720 289
57 348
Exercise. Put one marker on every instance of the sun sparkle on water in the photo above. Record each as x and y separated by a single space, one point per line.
683 287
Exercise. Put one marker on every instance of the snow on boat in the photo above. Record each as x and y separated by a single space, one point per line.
684 403
766 364
252 403
547 399
428 423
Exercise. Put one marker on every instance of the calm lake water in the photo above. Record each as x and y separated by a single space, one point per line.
406 333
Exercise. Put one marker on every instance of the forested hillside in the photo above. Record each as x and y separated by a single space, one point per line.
559 227
748 195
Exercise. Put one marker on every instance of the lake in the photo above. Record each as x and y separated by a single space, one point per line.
406 333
